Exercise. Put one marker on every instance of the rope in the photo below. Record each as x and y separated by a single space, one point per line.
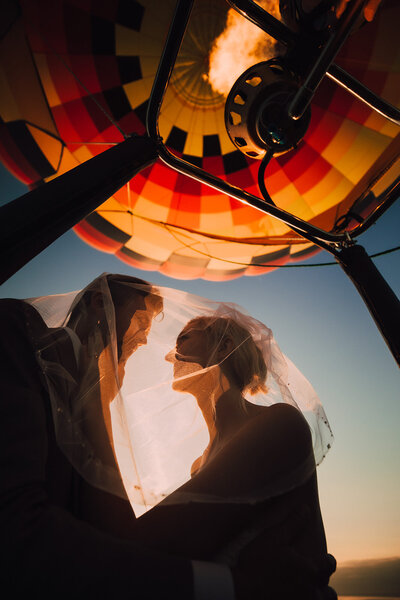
234 262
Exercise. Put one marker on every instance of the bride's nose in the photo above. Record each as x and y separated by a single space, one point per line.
170 356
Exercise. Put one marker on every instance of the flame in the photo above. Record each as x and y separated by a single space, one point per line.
238 47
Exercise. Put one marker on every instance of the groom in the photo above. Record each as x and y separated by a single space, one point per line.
63 538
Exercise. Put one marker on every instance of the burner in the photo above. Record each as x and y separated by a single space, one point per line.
256 114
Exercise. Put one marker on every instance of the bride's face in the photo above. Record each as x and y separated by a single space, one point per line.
190 356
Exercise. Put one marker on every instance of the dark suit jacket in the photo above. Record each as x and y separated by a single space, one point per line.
61 538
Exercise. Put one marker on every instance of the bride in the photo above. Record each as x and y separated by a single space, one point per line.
252 498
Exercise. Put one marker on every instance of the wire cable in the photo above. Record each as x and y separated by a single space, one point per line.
265 266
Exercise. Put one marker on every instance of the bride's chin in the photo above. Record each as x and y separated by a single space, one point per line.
179 385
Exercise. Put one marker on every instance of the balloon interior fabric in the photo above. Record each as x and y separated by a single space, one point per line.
108 403
76 77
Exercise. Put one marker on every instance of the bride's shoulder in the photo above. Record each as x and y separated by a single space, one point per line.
283 410
280 413
279 424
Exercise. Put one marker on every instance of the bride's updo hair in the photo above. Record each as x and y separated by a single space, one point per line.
244 364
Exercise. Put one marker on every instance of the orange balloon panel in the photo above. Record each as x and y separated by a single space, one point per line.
76 76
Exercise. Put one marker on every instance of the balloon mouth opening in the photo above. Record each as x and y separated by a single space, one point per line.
256 111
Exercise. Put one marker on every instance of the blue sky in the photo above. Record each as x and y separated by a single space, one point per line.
321 323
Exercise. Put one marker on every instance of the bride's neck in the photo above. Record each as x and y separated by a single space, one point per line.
223 418
224 413
206 405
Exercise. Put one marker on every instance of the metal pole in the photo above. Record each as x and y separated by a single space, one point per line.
364 94
165 67
318 71
32 222
380 299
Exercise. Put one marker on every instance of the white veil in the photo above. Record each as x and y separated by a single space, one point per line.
154 431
